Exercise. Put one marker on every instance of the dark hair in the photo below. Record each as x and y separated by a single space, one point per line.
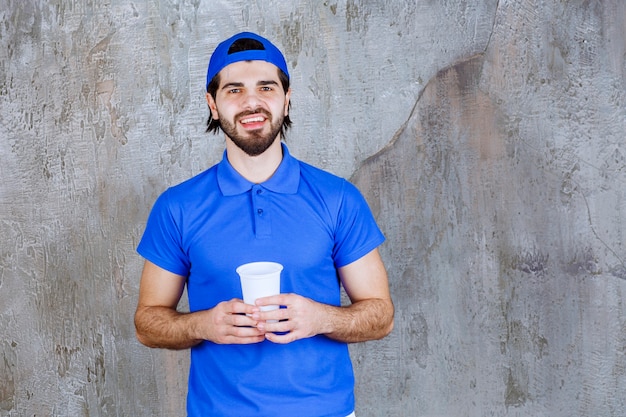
246 44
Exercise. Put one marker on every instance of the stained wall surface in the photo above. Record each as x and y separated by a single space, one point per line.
488 137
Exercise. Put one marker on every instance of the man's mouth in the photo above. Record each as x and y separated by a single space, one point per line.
255 119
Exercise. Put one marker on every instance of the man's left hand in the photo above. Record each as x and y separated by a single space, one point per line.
299 318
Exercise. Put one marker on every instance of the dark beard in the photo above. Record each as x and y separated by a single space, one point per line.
255 143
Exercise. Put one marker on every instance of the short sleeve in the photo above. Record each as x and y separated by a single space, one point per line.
161 242
356 233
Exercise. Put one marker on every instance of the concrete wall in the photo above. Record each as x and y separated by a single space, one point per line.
489 139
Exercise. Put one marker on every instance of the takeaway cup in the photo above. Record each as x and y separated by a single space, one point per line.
260 279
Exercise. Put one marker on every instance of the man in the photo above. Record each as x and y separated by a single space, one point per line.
261 204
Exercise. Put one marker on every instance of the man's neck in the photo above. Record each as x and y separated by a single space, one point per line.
256 169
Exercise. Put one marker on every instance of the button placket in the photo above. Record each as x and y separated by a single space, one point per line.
260 204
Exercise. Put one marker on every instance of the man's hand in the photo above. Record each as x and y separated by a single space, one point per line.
369 317
160 325
300 318
230 322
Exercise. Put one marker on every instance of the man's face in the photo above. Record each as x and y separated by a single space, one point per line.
250 104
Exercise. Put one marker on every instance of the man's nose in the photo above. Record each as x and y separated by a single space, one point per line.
251 99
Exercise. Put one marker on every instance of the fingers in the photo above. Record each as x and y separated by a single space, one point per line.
279 299
284 331
281 338
298 318
231 322
237 306
242 336
235 322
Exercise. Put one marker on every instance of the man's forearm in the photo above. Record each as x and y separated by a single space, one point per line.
162 327
364 320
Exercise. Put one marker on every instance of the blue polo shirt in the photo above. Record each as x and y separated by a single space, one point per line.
311 222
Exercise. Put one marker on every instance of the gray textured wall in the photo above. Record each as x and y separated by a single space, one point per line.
488 139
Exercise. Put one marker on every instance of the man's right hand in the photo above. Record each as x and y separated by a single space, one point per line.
158 324
229 322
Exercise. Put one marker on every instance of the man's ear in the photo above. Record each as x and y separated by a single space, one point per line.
287 98
214 114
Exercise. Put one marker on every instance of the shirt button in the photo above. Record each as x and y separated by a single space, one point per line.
259 191
260 211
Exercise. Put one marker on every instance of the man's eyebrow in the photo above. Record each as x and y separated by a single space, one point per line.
268 82
231 85
235 84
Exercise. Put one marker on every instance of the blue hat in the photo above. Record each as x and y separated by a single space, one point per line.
222 58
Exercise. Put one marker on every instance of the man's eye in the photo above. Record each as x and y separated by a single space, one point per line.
234 90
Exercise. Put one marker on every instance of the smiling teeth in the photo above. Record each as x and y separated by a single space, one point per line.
252 120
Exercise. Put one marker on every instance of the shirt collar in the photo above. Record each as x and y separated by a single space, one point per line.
285 180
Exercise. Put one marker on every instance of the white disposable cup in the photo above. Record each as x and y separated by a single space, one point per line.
260 279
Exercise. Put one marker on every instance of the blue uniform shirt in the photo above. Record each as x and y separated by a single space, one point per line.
311 222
